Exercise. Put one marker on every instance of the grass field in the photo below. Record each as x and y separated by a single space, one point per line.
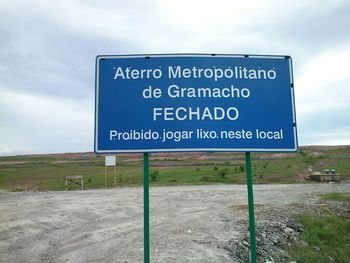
47 172
326 235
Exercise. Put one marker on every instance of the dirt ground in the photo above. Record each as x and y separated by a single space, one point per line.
188 224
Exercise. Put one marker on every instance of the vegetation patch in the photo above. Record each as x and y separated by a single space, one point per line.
47 172
325 239
336 196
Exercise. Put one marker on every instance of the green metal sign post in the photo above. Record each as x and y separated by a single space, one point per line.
146 208
146 247
251 208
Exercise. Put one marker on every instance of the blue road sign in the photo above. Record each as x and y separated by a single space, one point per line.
194 102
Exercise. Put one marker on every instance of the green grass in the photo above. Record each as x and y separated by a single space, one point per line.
47 172
336 196
327 240
197 175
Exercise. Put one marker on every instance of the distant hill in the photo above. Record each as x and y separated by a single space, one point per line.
47 171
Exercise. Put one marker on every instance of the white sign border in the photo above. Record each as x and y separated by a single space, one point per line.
99 57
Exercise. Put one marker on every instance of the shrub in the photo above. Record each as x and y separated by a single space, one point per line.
154 175
223 172
205 178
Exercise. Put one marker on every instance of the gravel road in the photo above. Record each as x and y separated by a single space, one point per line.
188 223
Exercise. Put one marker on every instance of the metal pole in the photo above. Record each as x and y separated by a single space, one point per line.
251 208
146 246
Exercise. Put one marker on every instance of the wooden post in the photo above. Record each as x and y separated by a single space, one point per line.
105 176
115 174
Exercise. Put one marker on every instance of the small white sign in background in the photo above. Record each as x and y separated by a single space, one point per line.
110 160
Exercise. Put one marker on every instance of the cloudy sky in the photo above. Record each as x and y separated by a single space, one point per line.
48 50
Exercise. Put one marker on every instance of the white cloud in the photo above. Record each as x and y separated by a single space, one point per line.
323 82
40 124
323 99
47 52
